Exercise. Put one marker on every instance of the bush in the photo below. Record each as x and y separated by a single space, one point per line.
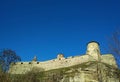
4 77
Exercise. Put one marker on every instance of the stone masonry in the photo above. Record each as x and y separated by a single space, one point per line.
92 54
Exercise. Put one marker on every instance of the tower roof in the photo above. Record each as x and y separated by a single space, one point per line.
93 42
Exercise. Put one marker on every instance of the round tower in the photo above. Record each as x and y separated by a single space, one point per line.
93 50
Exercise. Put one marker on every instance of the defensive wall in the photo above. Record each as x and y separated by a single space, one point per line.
92 54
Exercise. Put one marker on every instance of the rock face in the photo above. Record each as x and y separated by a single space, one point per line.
91 72
86 72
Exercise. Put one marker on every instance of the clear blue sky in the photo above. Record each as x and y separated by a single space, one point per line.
47 27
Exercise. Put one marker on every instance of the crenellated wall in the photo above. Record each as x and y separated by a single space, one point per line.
23 67
92 54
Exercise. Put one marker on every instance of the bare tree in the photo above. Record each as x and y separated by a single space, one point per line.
7 56
114 46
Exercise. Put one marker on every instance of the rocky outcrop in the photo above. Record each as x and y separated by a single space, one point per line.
91 72
86 72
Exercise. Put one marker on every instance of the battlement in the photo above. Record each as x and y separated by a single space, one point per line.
92 54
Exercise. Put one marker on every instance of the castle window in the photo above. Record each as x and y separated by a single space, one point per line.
21 62
29 62
37 62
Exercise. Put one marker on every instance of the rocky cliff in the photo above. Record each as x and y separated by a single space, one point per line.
86 72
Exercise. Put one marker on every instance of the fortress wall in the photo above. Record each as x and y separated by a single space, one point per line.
92 52
48 65
109 59
22 67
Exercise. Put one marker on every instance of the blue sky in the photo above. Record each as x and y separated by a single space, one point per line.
46 28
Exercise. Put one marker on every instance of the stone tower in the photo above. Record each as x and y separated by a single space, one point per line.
60 56
93 50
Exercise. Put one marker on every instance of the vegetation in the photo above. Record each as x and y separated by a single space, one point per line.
114 46
4 77
7 56
31 76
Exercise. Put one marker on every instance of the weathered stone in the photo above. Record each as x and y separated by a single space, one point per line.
91 67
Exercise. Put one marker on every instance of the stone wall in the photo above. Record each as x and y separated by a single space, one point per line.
23 67
92 54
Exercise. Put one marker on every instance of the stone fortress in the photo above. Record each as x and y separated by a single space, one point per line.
92 54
